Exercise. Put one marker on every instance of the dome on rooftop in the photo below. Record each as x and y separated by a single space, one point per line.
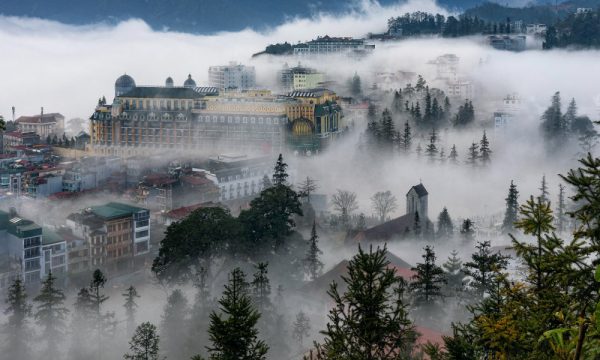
189 83
169 82
124 84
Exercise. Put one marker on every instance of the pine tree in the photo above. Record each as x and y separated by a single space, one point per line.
447 107
355 86
172 331
419 150
453 155
569 117
445 226
417 114
361 223
387 130
484 149
261 287
431 150
482 268
454 271
280 175
421 83
427 282
130 307
473 156
301 328
512 209
370 319
266 182
18 310
397 102
428 111
467 231
544 195
436 112
561 209
406 138
51 314
442 156
233 334
313 266
553 121
144 343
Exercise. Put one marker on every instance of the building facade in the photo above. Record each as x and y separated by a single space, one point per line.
299 78
150 119
232 76
43 124
326 45
114 232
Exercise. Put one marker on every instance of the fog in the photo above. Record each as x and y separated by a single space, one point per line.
67 68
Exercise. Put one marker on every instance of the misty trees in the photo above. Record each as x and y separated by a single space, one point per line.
144 343
431 150
512 208
313 266
473 155
261 287
17 311
406 138
544 195
454 271
445 225
453 155
561 209
233 332
426 284
194 242
383 203
268 221
172 330
307 187
467 231
485 149
554 126
301 328
370 320
345 203
51 314
483 268
465 115
130 306
355 86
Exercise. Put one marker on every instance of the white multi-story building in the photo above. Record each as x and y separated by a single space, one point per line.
232 76
240 176
459 89
511 105
446 66
300 78
536 29
327 45
43 124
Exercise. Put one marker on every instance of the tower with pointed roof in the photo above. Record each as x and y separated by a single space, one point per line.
416 201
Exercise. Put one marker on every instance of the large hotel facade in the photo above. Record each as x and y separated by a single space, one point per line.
146 119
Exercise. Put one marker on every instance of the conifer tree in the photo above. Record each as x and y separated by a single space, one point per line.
569 117
453 155
436 112
130 306
445 226
482 268
419 150
172 331
261 287
427 117
484 149
561 209
426 285
512 209
442 156
361 223
431 150
369 320
397 102
280 174
266 182
313 266
473 155
421 83
417 114
467 231
233 332
544 195
18 311
454 271
387 130
447 107
301 328
553 121
51 314
406 138
144 345
355 86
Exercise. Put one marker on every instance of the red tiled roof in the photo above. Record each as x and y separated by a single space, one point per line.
195 180
183 212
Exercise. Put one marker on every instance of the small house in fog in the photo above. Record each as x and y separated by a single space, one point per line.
414 223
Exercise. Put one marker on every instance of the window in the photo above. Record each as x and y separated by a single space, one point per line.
142 223
32 265
141 247
140 234
260 120
32 252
